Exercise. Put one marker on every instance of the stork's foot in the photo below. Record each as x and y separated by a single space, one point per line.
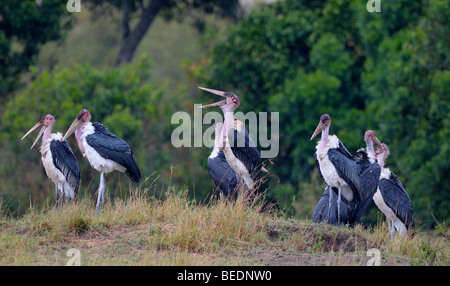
99 198
63 198
56 196
101 193
339 209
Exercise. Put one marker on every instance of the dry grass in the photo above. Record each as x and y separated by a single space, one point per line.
174 230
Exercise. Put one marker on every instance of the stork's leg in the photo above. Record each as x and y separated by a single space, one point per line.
63 197
389 225
392 229
330 200
248 181
56 196
67 192
101 190
102 177
339 207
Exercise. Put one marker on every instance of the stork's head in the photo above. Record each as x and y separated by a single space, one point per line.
325 121
370 138
381 153
82 117
46 121
227 105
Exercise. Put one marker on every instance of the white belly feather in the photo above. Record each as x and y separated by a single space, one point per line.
50 169
95 160
98 162
388 212
328 170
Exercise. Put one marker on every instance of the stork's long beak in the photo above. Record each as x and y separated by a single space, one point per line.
220 103
217 92
376 141
319 129
75 125
35 127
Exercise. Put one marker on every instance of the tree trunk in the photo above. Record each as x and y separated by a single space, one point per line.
131 39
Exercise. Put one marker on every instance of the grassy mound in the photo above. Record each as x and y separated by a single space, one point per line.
174 230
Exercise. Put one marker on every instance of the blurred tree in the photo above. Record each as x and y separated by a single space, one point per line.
146 11
264 49
24 26
409 88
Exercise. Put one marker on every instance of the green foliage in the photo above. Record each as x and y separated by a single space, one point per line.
261 51
112 93
145 12
24 26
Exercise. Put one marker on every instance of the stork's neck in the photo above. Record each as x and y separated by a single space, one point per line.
218 140
79 135
47 134
380 159
324 139
370 150
228 122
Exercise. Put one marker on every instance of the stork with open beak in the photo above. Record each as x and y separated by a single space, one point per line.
105 151
58 159
240 150
392 199
340 170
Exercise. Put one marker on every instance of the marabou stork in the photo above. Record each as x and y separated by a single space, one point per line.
220 172
341 171
58 159
369 172
105 151
392 199
240 150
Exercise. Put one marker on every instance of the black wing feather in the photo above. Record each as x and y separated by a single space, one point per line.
222 175
346 168
110 146
369 180
245 151
362 160
66 162
396 197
